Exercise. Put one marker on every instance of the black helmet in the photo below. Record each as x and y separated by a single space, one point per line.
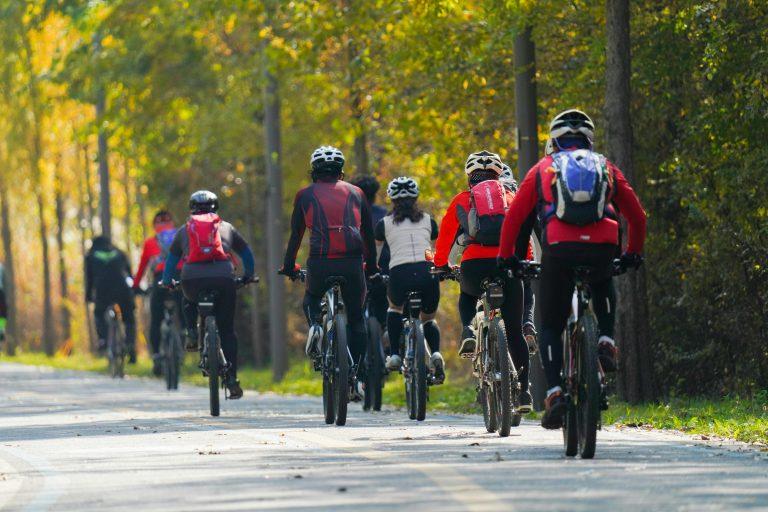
203 201
368 184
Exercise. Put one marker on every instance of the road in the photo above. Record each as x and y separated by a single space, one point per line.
79 441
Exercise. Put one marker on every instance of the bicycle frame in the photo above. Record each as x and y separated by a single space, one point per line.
205 305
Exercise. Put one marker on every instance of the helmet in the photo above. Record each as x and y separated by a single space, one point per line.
327 157
570 122
203 201
507 177
368 184
483 161
402 187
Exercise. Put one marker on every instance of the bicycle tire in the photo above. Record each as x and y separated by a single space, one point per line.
421 373
341 387
570 432
503 387
588 405
329 409
172 360
212 354
374 386
488 404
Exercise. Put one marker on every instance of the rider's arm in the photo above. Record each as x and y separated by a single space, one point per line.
88 279
519 212
631 209
143 262
435 229
449 227
366 229
243 250
297 233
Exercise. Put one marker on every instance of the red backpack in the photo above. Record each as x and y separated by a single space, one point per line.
487 206
204 239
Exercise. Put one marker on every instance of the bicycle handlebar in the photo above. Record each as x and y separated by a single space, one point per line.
443 275
300 275
526 270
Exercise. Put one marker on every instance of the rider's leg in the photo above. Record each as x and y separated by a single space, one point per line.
353 293
99 309
394 327
556 291
226 304
128 312
431 331
430 298
156 301
604 302
512 314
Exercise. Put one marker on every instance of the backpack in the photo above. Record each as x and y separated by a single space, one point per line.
204 239
487 206
580 189
164 240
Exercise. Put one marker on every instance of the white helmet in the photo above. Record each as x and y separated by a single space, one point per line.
483 161
402 187
569 122
507 177
325 155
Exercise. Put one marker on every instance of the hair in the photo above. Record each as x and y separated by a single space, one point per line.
322 173
161 214
368 184
406 208
480 176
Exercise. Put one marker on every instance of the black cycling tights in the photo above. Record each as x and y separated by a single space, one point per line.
555 296
472 274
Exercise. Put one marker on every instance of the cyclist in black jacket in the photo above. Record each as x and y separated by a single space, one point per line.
107 282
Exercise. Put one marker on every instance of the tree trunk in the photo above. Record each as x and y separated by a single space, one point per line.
11 339
277 318
82 189
528 155
128 207
89 210
635 378
257 340
105 209
66 324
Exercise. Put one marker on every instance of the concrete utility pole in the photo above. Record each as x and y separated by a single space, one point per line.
272 149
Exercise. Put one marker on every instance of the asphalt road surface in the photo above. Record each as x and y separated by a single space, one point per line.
78 441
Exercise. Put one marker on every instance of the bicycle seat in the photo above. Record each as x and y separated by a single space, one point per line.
335 281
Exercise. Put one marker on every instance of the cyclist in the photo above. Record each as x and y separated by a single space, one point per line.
3 306
479 231
153 256
206 245
579 228
341 238
409 232
377 295
107 282
507 178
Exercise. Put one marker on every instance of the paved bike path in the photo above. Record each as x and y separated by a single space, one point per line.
80 441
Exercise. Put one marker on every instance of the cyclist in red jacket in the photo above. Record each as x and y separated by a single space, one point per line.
478 262
577 195
153 256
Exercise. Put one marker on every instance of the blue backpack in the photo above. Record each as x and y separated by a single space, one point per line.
164 240
581 186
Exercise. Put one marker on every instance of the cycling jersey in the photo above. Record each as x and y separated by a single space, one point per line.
339 220
408 241
106 272
152 257
450 229
535 193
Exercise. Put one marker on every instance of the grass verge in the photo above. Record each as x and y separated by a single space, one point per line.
741 419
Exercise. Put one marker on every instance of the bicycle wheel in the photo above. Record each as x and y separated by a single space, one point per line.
374 383
488 403
328 366
588 378
503 378
212 355
419 371
341 387
172 359
570 432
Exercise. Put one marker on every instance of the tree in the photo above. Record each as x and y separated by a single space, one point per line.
635 378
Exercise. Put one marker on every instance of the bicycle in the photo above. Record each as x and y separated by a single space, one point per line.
116 349
498 386
375 370
171 349
334 360
583 376
213 364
